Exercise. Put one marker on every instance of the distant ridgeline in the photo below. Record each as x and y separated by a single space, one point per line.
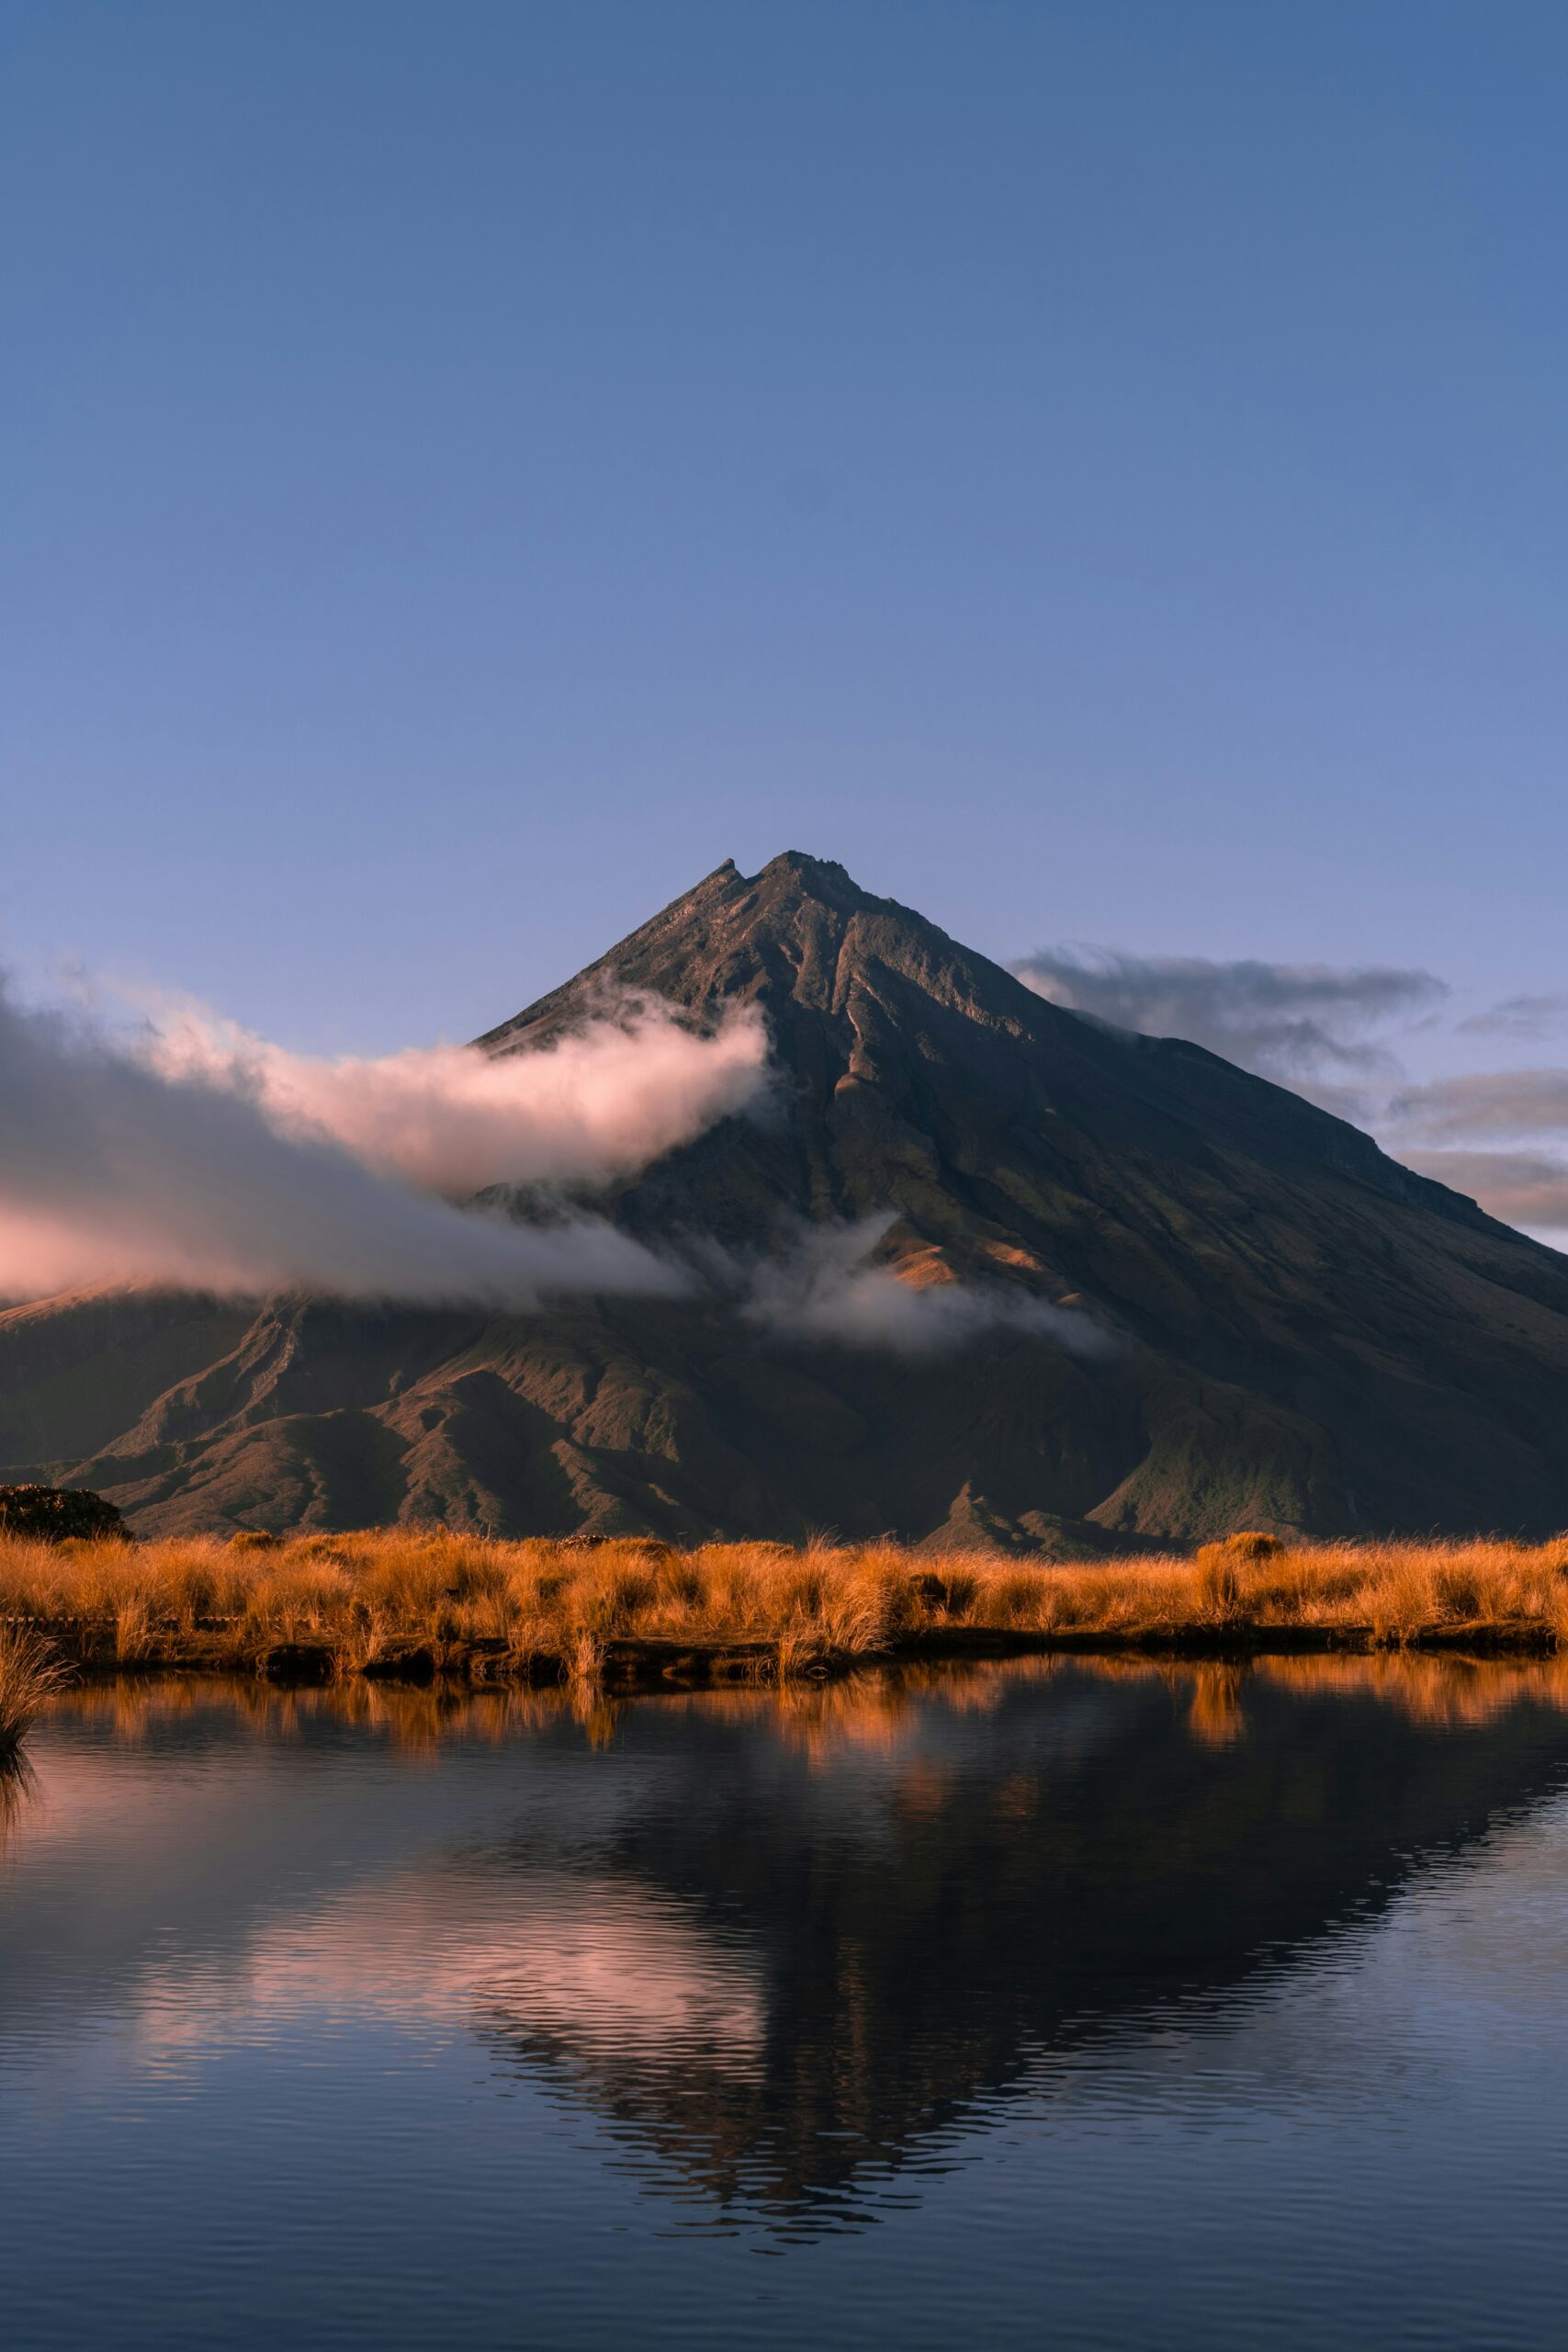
1295 1333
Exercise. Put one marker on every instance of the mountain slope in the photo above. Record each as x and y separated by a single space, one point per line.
1306 1334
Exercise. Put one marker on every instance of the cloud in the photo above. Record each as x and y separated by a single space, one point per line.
588 1107
1469 1113
1521 1188
1293 1022
829 1285
1484 1102
115 1170
1518 1016
1316 1027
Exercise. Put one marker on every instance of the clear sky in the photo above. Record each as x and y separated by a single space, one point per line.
1098 470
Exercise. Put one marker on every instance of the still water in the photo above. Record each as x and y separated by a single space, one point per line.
1016 2005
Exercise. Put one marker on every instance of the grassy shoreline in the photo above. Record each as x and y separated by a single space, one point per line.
630 1613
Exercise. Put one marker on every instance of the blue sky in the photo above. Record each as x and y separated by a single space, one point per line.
1097 470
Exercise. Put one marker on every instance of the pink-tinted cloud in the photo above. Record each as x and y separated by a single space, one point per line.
592 1105
194 1167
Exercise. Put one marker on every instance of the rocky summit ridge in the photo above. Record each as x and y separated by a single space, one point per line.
1301 1333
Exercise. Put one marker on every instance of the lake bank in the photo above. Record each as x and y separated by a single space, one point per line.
649 1665
630 1613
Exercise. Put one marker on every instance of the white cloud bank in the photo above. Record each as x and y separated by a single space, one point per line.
592 1105
202 1158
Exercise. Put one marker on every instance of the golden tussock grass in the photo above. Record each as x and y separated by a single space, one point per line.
30 1673
467 1604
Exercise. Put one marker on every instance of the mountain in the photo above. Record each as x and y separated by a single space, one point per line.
1293 1332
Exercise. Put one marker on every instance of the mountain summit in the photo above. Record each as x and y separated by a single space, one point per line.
1183 1300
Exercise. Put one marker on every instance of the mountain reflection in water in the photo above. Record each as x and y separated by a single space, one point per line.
937 1894
789 1957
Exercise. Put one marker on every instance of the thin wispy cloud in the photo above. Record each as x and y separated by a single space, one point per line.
835 1283
1334 1035
1526 1189
1484 1103
1312 1026
1518 1016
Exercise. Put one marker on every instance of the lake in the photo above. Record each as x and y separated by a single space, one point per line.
1034 2003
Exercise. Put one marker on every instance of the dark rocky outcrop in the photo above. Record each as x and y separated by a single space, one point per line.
1307 1334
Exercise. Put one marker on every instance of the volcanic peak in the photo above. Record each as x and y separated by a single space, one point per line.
1308 1335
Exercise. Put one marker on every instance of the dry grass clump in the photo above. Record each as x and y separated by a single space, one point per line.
565 1605
30 1674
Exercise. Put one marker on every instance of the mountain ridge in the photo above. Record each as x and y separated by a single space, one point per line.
1307 1335
643 960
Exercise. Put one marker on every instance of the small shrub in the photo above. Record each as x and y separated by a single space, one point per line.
50 1514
